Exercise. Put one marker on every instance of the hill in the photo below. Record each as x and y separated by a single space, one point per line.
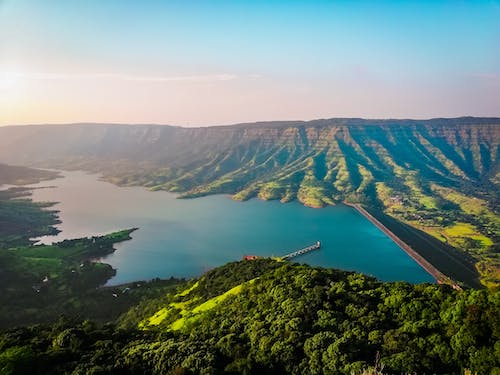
441 176
269 317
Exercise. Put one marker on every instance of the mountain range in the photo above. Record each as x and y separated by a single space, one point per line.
440 176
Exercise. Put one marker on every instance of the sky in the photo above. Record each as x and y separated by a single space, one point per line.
196 63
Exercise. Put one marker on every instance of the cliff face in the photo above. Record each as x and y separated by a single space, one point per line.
339 157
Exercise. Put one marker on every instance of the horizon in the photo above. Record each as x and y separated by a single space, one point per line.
224 63
249 122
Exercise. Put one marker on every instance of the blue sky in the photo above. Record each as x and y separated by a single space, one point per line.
217 62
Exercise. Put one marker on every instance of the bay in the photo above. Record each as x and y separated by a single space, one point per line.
186 237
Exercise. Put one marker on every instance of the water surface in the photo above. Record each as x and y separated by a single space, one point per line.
184 238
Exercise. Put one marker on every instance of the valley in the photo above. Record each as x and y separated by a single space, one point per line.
438 176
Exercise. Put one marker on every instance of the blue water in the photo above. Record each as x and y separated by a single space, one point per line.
184 238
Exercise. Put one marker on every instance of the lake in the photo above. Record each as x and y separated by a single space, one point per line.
186 237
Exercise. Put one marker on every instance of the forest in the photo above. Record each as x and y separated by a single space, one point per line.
277 318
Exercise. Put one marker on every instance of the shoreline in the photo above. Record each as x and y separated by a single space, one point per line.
421 261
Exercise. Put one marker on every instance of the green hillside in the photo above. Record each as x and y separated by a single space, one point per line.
269 317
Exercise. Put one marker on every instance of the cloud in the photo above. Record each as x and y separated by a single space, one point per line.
193 78
120 77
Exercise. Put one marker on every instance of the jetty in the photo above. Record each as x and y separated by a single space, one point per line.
305 250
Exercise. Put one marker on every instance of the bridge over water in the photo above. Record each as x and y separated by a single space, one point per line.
305 250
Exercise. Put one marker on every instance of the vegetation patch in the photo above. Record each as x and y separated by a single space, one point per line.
189 309
465 230
186 291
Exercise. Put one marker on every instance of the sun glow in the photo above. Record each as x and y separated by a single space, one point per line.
10 80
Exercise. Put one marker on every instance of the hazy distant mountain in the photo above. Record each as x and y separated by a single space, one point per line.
15 175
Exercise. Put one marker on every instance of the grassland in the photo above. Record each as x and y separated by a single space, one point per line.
185 311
